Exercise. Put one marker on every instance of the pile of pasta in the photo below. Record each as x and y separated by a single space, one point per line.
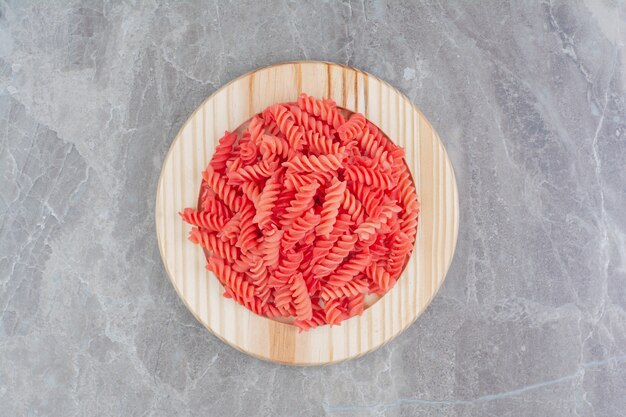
305 212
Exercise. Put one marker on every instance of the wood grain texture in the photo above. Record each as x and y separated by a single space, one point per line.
438 225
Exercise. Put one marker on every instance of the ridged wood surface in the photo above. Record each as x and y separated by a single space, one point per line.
354 90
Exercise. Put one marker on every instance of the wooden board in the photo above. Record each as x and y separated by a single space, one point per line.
354 90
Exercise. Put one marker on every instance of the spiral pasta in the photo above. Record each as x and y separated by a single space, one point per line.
323 245
223 151
270 246
320 145
224 191
351 128
211 242
253 303
302 201
356 304
251 190
335 313
248 232
318 318
369 176
304 211
348 289
287 125
267 199
287 266
244 261
313 163
230 278
326 111
295 180
256 129
203 219
310 123
369 227
352 206
248 151
254 173
230 230
273 145
400 249
350 269
344 245
330 208
257 274
380 276
300 296
298 230
370 197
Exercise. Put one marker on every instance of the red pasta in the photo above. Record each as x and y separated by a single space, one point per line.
335 313
231 279
204 219
302 201
287 125
283 200
352 206
379 276
224 191
371 198
270 246
251 190
310 123
315 164
273 145
223 151
330 208
351 288
248 231
267 199
369 176
349 270
253 173
318 318
335 257
400 248
294 180
210 242
300 298
287 266
256 129
324 245
327 111
319 144
299 229
351 128
304 211
247 150
370 226
257 274
230 230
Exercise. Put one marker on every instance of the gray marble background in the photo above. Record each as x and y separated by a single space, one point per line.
529 99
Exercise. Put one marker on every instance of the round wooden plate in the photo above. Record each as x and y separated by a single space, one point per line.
354 90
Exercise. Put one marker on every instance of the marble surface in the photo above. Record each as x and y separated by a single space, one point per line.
529 99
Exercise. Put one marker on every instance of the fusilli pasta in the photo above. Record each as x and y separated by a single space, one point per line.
304 211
